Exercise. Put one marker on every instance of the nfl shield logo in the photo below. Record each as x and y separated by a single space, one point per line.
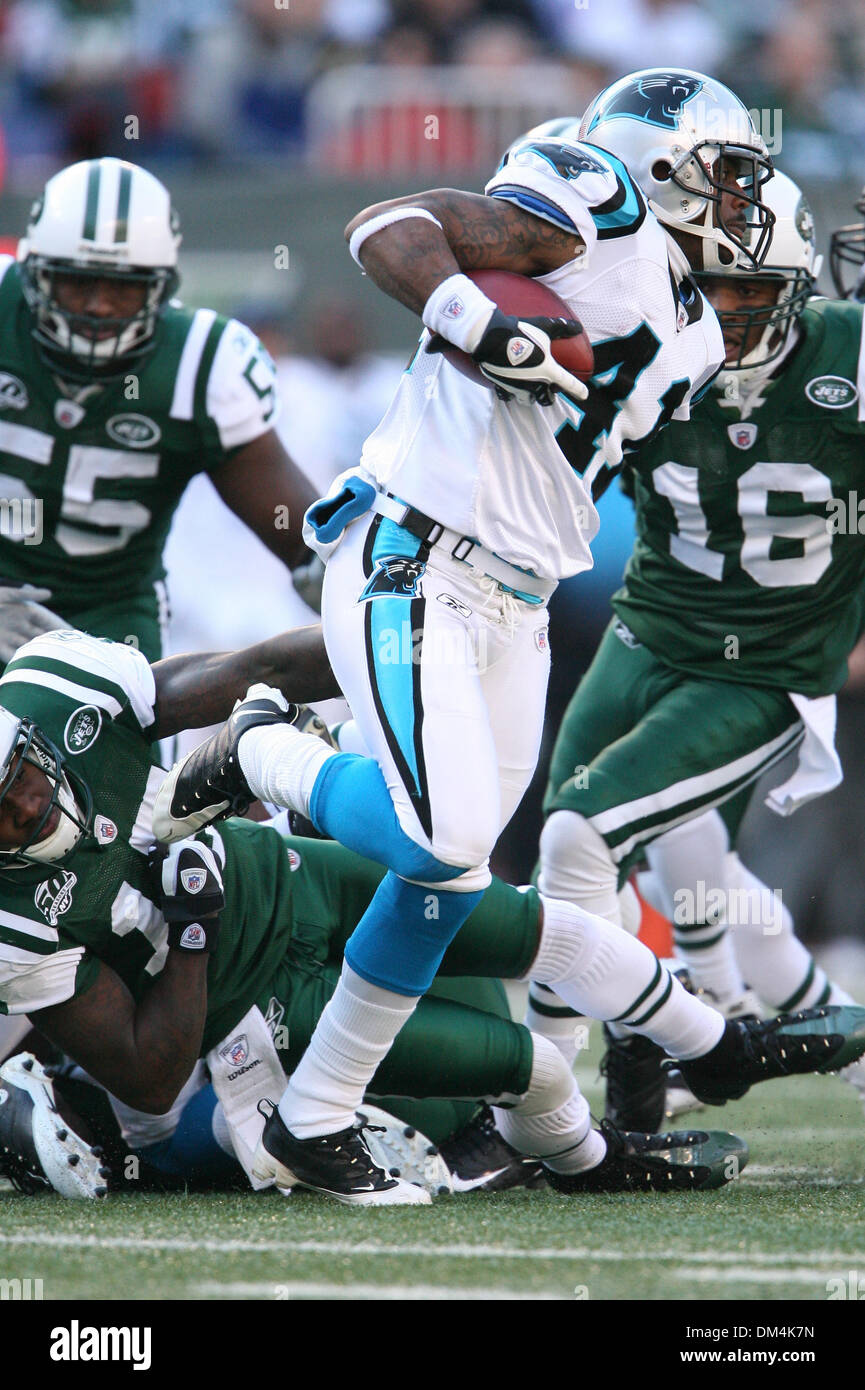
236 1051
192 880
742 435
68 413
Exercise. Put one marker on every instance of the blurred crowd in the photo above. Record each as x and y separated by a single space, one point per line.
238 79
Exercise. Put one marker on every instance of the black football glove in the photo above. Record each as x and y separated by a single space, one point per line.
516 356
190 894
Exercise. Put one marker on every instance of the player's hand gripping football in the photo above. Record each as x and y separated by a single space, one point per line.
516 355
22 617
190 894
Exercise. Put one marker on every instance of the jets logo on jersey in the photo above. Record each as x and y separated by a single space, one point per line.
395 575
657 100
13 392
832 392
136 431
743 434
54 896
82 729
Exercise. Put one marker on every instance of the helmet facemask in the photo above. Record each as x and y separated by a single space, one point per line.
774 321
87 347
70 804
847 248
707 174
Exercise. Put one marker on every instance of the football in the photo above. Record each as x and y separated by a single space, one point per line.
527 298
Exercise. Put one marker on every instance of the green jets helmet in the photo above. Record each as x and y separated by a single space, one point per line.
57 824
793 262
688 140
99 219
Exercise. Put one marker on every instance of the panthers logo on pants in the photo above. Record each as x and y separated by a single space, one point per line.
394 575
657 100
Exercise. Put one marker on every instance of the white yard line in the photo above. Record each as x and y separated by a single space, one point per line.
742 1274
586 1254
422 1292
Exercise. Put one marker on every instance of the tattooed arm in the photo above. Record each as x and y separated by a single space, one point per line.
200 688
408 259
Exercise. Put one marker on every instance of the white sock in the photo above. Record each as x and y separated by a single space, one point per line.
600 970
281 765
547 1015
775 963
691 865
552 1119
354 1033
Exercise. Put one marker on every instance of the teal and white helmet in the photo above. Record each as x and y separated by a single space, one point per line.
688 140
102 218
792 260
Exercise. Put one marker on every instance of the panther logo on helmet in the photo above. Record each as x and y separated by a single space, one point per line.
658 99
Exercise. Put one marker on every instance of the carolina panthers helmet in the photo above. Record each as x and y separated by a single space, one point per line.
69 809
792 260
847 248
688 140
103 219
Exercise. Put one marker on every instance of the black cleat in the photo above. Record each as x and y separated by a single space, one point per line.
636 1082
753 1050
337 1165
480 1159
209 783
683 1161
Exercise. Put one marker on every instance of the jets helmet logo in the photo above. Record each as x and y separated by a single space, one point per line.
395 575
658 100
54 896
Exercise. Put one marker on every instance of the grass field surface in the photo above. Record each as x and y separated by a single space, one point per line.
793 1223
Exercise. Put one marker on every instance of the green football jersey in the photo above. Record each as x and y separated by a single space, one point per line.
94 700
750 555
88 486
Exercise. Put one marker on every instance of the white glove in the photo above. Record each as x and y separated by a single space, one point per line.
23 617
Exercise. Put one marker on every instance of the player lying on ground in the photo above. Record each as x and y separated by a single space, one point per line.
115 395
741 604
467 508
135 982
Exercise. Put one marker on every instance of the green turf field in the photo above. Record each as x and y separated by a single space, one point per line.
795 1220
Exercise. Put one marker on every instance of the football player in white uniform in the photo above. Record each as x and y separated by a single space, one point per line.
443 547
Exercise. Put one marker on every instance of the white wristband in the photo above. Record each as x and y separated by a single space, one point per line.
378 224
459 311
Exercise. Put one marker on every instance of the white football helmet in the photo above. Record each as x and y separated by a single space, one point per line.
69 803
792 260
103 219
688 140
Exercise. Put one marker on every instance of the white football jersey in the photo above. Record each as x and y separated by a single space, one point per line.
521 478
